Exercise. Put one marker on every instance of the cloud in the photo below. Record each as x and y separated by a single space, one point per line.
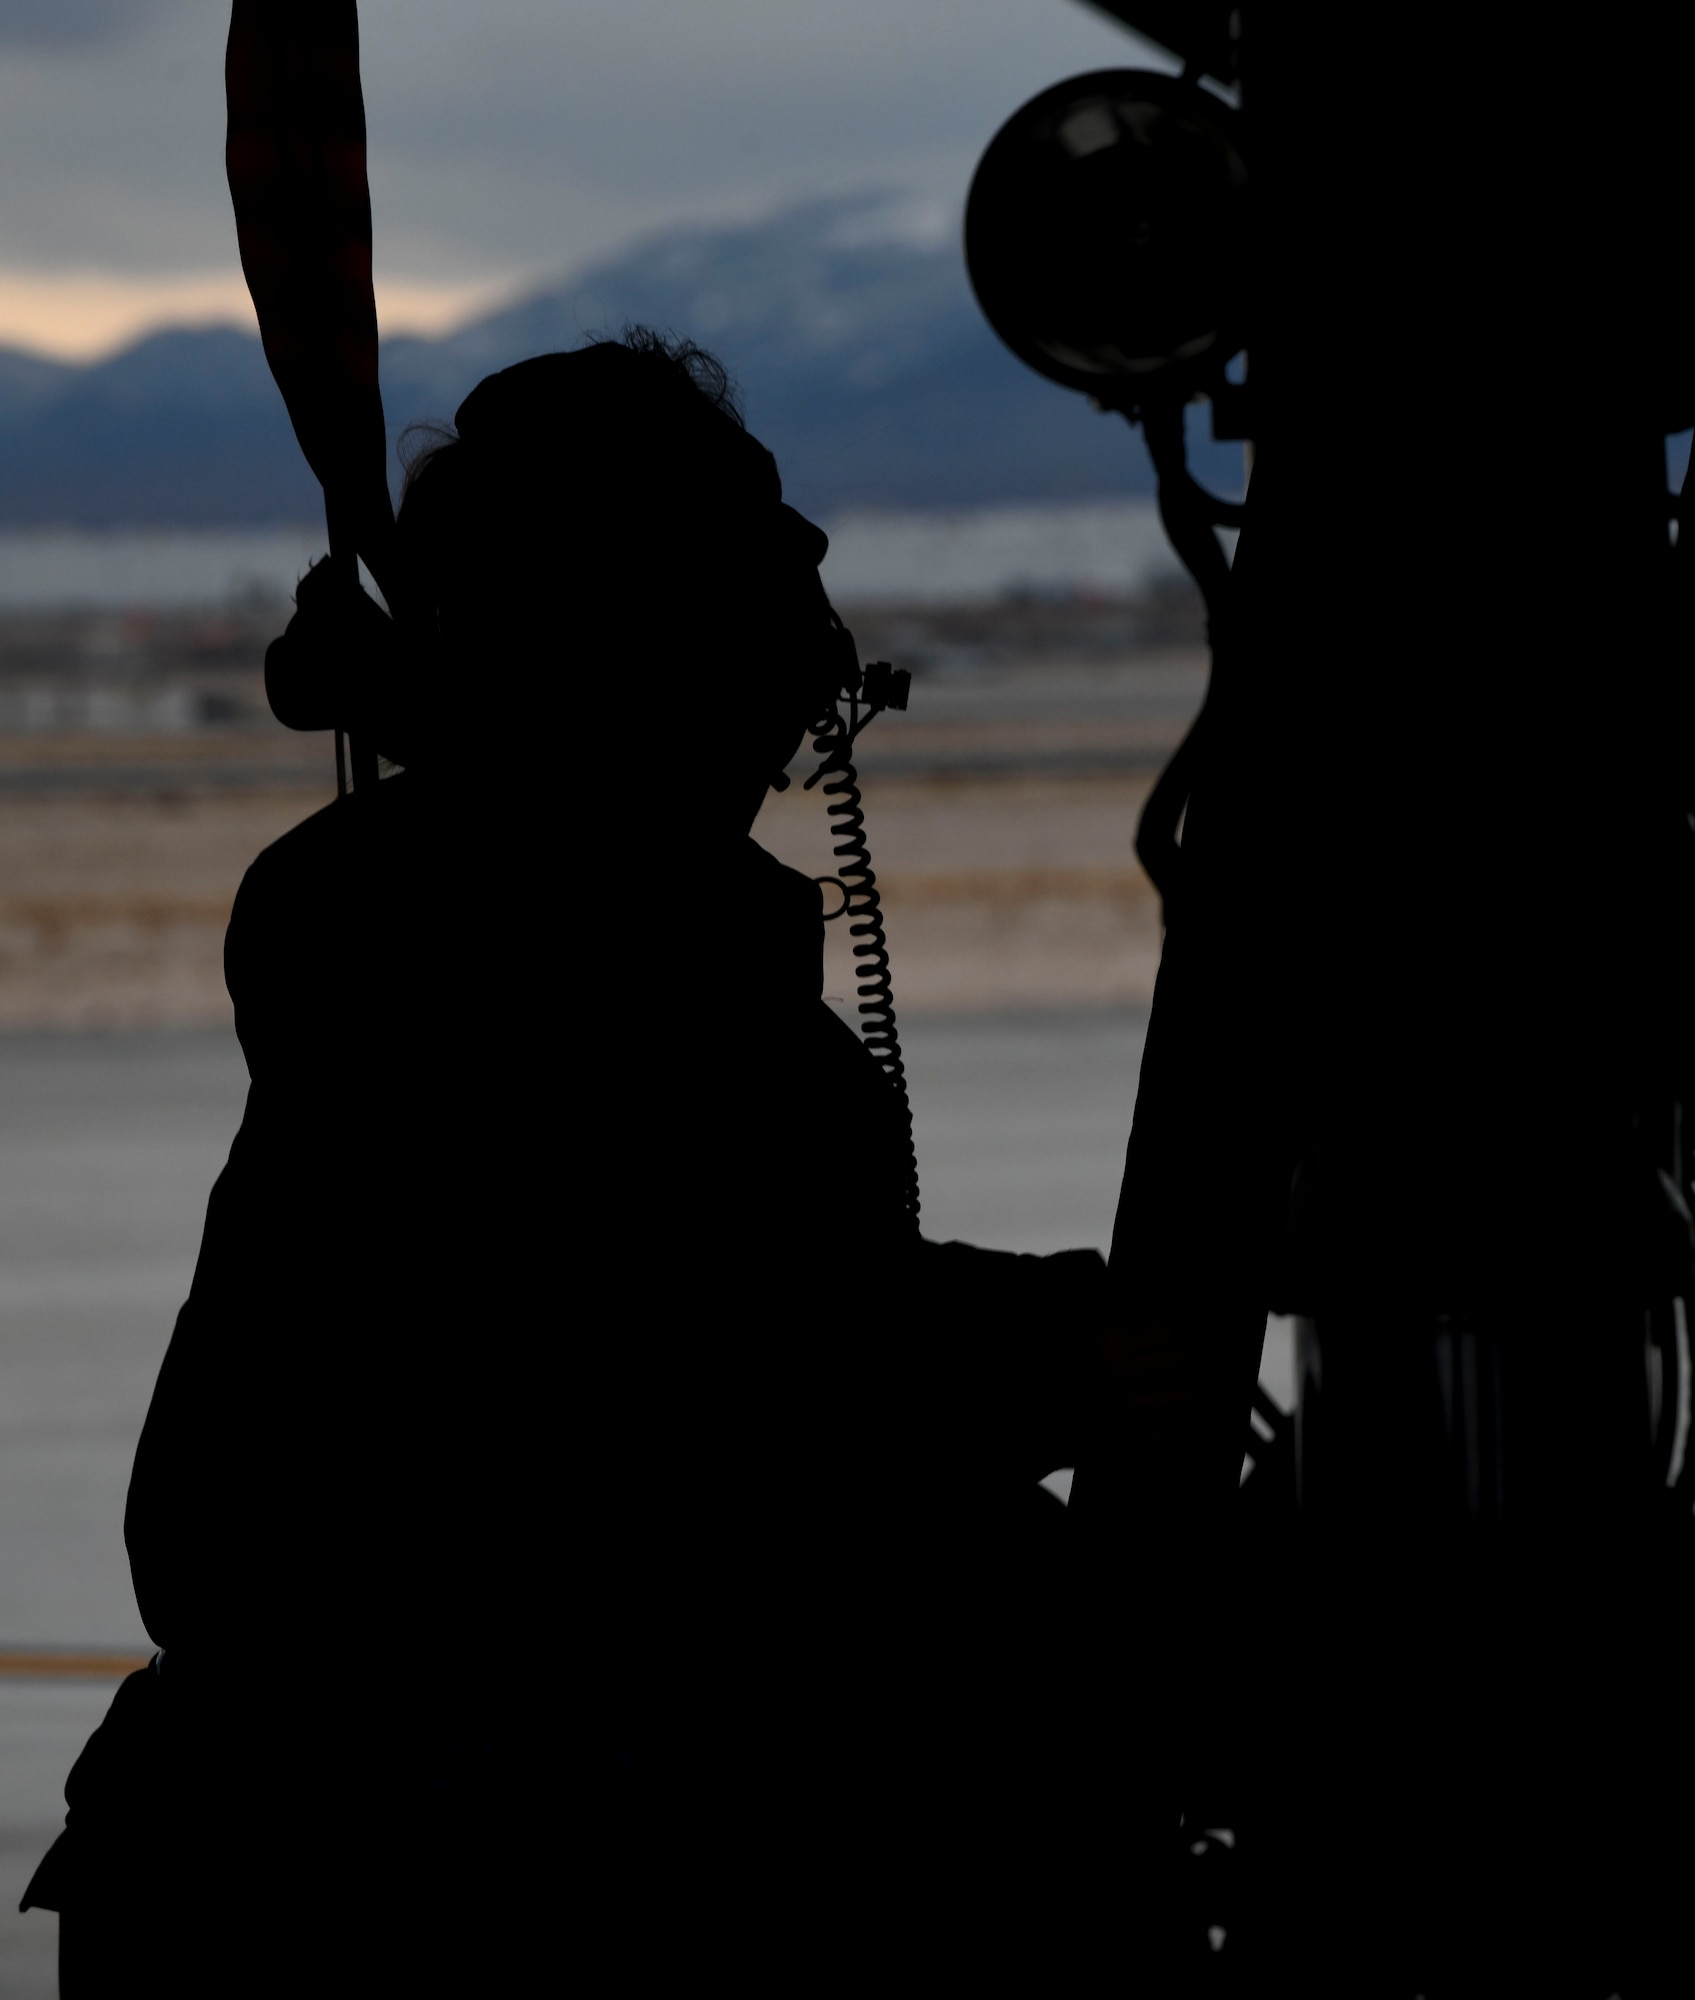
515 139
34 24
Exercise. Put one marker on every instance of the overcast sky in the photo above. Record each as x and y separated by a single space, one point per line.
510 139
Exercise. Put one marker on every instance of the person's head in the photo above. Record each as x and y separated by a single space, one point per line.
600 547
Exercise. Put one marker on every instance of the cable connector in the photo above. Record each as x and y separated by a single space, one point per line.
885 686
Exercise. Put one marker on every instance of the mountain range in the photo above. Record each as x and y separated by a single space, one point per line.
859 351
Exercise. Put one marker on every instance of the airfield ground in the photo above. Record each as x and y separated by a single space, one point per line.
1001 811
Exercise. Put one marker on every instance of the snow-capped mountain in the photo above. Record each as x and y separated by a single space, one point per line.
858 349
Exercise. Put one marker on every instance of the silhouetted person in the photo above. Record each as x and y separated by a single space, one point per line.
587 1532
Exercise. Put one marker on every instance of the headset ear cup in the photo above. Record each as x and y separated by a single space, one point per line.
338 665
301 684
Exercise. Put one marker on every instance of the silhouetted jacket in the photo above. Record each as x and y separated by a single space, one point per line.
558 1295
363 1400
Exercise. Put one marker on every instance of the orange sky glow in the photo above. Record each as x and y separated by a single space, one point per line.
85 315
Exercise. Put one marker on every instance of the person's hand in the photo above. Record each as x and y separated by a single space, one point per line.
1168 1409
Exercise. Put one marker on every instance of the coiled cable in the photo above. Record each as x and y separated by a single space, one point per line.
833 740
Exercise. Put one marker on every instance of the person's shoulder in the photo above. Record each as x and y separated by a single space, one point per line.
312 889
318 857
298 870
284 895
305 847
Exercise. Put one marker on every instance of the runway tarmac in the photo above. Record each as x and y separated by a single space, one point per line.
108 1147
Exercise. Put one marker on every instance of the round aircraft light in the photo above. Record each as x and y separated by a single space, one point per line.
1105 234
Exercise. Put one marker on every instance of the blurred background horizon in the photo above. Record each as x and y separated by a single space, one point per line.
782 180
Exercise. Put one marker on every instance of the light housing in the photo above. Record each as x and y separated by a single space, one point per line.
1106 235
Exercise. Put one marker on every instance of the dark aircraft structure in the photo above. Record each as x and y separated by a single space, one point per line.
1399 1710
1424 1032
